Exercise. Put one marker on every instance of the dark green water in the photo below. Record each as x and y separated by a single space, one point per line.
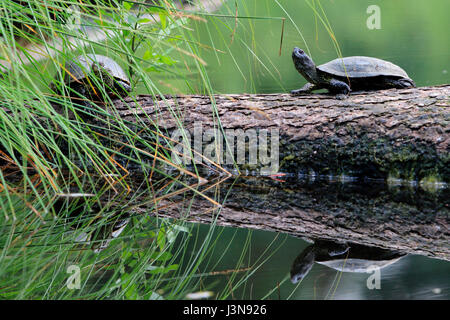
412 277
271 255
413 34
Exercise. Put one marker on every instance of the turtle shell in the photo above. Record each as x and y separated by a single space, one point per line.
360 258
362 67
78 68
357 265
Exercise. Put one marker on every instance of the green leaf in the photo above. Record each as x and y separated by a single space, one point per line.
167 60
161 256
125 33
127 5
144 20
152 69
130 287
163 19
147 55
160 269
156 10
161 239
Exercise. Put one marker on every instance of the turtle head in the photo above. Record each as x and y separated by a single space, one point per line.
116 87
108 232
305 65
102 74
302 264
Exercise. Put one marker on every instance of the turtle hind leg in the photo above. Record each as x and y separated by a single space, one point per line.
401 83
340 88
307 88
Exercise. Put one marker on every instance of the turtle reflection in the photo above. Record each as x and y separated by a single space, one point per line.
345 257
80 214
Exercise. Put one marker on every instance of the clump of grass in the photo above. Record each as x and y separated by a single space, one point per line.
48 154
38 242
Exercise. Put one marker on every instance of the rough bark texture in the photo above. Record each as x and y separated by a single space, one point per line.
399 133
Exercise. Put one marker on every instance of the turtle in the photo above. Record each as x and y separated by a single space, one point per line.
345 257
109 231
342 75
87 76
80 215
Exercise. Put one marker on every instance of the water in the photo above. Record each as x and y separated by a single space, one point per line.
412 277
413 34
271 255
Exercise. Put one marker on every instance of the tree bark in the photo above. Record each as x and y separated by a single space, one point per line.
398 134
392 133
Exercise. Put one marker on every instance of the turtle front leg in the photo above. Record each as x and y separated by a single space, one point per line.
337 249
307 88
340 88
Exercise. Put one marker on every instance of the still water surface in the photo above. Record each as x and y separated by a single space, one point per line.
412 34
412 277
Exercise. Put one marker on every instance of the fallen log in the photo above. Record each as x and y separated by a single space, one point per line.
399 134
389 134
393 133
